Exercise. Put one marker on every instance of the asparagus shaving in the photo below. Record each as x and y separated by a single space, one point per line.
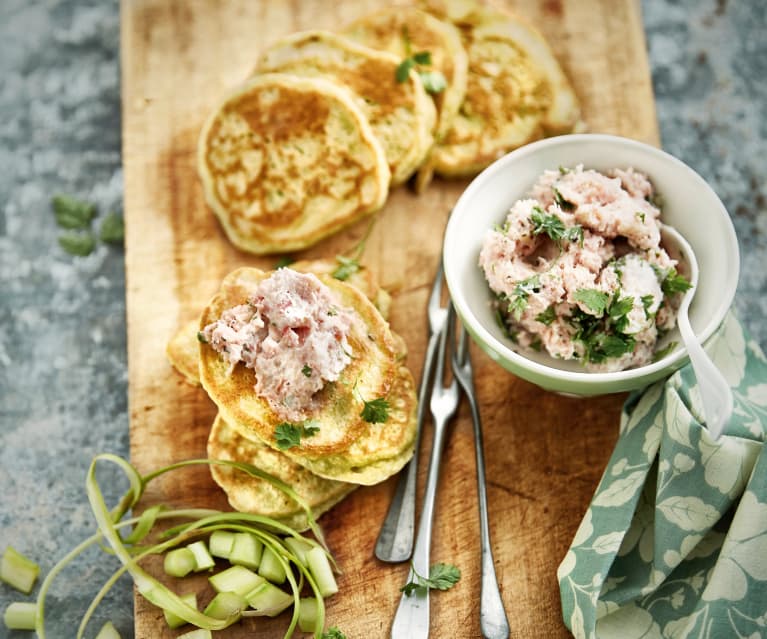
203 522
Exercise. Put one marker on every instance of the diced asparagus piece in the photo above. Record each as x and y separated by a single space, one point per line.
237 579
268 600
246 550
225 604
220 543
18 571
20 615
202 557
179 562
196 634
172 619
319 566
108 631
271 568
307 613
298 547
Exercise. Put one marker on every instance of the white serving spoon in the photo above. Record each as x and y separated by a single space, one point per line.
714 390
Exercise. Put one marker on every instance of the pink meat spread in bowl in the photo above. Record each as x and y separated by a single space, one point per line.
578 269
292 333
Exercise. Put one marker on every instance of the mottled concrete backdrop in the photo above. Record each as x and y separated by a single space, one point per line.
62 319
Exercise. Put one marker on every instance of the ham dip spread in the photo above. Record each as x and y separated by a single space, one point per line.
578 269
292 333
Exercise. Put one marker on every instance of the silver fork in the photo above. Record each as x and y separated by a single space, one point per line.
492 616
411 621
395 541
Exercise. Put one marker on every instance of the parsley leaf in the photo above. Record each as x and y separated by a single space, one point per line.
72 213
283 262
647 302
549 224
289 435
80 244
594 299
433 81
602 346
441 577
375 411
347 266
555 228
307 370
675 283
547 316
522 290
561 201
618 311
402 72
112 229
333 633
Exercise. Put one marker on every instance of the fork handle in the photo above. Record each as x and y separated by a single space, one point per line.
395 541
411 621
492 615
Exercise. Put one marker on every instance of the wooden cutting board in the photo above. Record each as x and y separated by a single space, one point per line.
545 453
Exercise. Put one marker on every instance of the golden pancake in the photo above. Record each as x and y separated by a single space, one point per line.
286 161
253 495
405 31
345 447
401 114
183 351
516 91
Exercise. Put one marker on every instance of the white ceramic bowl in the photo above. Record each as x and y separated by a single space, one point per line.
689 204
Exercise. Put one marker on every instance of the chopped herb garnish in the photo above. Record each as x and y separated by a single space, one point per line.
80 244
375 411
72 213
594 299
561 201
618 311
333 633
201 337
289 435
640 216
537 344
441 577
563 170
647 302
332 311
517 303
603 346
547 316
347 266
432 81
555 228
307 370
675 283
112 229
284 261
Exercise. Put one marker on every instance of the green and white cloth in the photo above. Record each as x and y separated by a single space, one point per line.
674 543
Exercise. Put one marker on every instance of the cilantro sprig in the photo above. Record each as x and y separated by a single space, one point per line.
288 435
516 303
554 227
674 283
441 577
602 330
375 411
433 81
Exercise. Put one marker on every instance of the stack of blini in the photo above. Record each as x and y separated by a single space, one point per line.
328 122
344 449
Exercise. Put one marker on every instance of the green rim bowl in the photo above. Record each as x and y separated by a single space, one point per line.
689 205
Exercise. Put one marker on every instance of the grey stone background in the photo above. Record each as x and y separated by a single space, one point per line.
63 371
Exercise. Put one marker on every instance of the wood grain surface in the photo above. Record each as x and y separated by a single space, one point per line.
545 453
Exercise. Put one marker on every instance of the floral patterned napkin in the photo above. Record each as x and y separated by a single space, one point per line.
674 543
